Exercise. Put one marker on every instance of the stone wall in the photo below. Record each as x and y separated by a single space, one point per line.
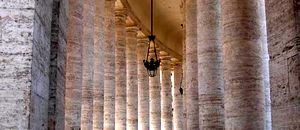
283 40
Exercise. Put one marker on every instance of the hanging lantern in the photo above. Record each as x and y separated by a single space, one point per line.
151 64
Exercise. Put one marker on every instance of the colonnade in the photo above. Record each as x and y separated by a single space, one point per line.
221 72
104 85
111 49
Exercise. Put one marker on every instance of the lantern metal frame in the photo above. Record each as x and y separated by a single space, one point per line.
152 64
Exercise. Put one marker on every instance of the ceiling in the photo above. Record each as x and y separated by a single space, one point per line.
168 18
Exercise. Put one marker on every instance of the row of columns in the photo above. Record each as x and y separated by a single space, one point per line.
107 86
226 65
215 39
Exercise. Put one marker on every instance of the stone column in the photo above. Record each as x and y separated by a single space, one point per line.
242 55
192 107
184 80
178 119
109 65
210 79
73 66
132 86
143 85
87 65
120 17
98 79
154 94
24 64
57 68
166 92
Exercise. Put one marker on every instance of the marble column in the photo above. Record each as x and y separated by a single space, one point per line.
166 92
178 119
192 106
143 85
132 86
98 92
87 65
120 117
73 66
109 66
210 79
154 94
242 55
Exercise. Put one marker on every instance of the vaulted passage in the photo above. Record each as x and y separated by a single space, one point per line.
78 65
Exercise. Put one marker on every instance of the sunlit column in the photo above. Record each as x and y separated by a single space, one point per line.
120 117
98 92
192 107
143 85
132 85
242 42
210 78
166 92
73 66
109 65
178 119
87 65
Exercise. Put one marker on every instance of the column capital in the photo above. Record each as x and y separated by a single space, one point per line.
164 56
143 40
120 16
121 12
133 29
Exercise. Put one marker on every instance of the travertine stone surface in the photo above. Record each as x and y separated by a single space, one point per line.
192 106
98 79
132 86
283 42
73 65
154 96
143 85
166 92
57 67
178 118
109 65
120 117
242 41
40 65
210 79
24 53
87 65
184 78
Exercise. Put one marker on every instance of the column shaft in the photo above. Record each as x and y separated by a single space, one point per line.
98 79
191 66
57 68
242 40
132 86
178 98
166 93
143 86
109 66
74 66
87 65
210 81
154 94
120 117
